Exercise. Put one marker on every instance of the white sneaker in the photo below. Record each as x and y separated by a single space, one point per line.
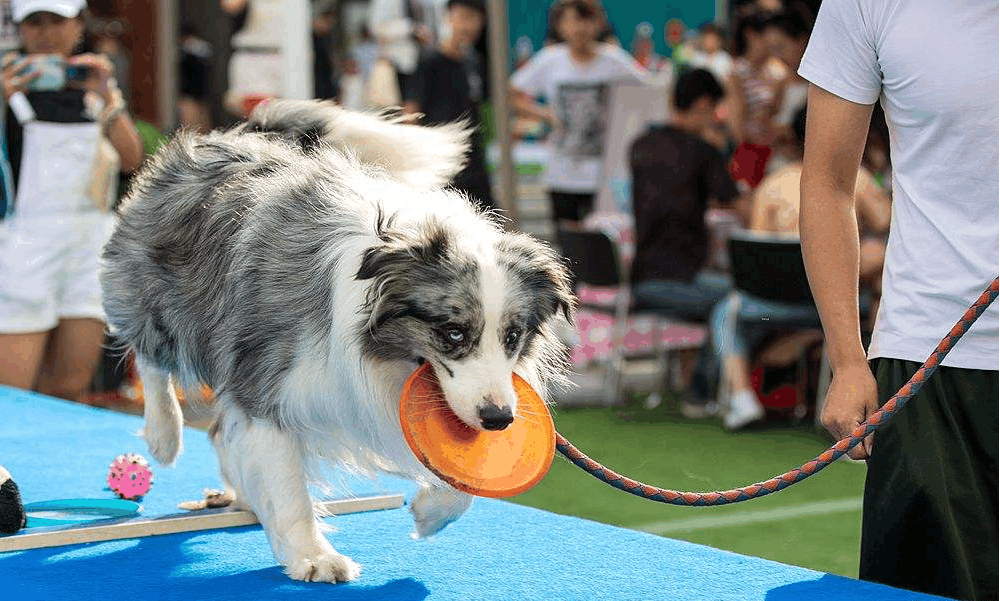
744 408
692 410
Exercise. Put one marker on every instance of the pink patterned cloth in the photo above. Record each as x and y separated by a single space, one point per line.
643 333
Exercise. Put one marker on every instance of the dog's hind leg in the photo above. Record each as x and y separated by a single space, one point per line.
434 507
162 411
265 466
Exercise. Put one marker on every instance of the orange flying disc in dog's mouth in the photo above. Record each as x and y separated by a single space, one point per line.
487 464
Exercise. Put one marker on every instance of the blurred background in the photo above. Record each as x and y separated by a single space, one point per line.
653 393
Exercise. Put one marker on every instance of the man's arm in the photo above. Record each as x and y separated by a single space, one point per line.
836 130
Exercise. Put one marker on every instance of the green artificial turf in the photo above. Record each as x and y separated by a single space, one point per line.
660 447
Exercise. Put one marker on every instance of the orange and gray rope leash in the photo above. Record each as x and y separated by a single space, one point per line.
752 491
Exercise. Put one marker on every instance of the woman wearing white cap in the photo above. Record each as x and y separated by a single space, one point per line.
68 133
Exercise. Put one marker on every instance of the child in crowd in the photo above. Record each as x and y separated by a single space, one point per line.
757 84
786 34
710 53
575 76
449 85
644 51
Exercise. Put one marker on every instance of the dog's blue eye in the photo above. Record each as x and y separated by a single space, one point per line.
455 335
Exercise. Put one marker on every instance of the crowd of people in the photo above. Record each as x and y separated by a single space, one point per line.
734 141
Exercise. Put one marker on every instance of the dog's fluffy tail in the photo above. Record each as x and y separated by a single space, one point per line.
421 155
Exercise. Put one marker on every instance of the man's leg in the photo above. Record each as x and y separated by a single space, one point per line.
930 506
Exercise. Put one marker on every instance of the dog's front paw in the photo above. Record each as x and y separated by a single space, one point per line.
433 508
328 566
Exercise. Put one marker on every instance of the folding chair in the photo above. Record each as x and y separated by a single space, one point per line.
769 268
596 262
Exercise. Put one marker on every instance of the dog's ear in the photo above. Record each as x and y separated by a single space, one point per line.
377 260
541 270
562 288
401 253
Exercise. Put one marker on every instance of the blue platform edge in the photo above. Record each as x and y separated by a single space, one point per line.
496 551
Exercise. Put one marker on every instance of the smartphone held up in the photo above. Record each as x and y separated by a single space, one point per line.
53 72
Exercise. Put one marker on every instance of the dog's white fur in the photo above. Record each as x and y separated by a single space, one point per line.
336 405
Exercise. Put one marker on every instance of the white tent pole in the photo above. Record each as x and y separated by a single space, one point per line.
497 26
296 54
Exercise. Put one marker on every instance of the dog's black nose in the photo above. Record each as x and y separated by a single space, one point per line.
495 418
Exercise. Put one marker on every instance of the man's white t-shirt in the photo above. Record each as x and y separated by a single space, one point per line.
934 66
580 95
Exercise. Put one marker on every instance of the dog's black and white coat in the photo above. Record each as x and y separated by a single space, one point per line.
303 264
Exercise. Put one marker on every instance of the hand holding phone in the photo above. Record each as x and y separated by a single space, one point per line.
91 72
51 70
41 72
78 73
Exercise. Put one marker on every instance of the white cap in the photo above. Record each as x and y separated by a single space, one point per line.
63 8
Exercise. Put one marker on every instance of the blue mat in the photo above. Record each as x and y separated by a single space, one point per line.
497 551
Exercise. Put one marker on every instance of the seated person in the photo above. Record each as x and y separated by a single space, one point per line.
775 209
675 175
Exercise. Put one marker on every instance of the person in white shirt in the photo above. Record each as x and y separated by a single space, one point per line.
931 495
576 78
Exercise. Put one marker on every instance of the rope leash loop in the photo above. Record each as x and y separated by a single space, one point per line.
759 489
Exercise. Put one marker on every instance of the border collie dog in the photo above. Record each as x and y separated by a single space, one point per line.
302 265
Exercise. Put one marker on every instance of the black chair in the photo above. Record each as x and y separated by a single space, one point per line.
595 260
770 267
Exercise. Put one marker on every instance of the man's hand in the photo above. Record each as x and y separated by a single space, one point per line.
851 399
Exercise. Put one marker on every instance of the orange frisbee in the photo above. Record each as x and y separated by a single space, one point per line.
487 464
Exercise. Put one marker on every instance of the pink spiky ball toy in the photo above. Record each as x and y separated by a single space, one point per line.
130 476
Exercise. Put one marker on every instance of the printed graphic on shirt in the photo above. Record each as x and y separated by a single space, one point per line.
583 111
